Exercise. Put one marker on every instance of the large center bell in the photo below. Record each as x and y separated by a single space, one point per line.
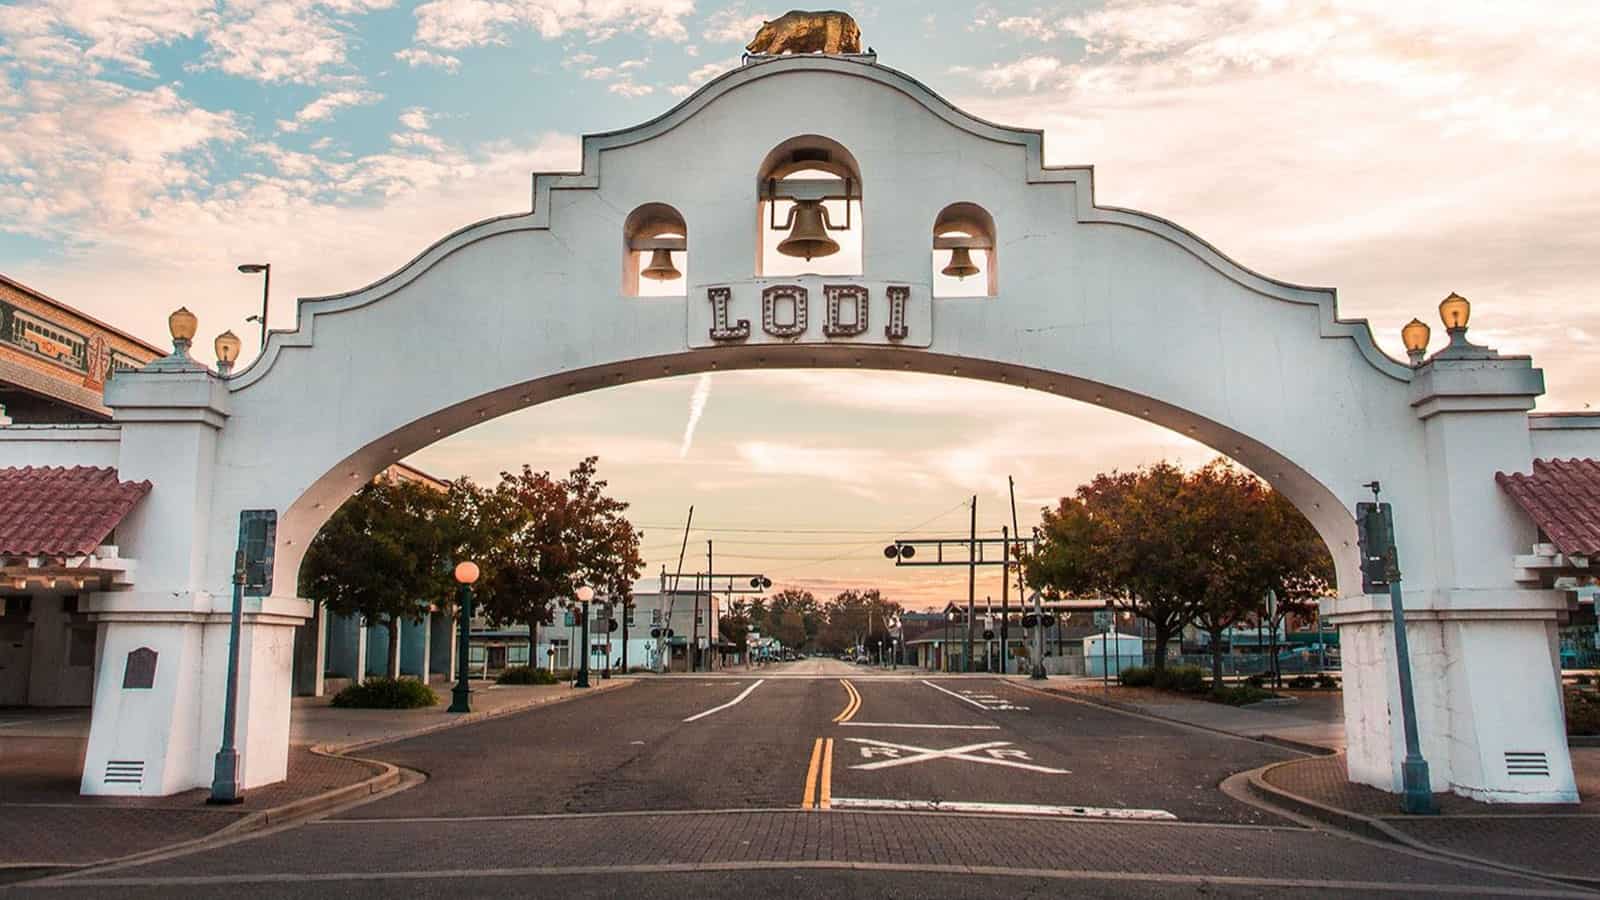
809 237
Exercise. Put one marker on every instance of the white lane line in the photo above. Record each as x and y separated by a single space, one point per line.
920 725
954 694
734 702
1015 809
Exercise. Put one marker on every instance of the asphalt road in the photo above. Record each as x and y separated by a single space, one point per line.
818 778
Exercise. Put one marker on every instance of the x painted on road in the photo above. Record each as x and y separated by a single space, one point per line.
993 755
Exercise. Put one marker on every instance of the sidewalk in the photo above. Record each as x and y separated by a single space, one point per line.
45 823
1553 840
1315 720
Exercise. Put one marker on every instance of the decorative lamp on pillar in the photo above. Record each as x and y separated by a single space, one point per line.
227 346
182 324
584 595
1415 334
1456 312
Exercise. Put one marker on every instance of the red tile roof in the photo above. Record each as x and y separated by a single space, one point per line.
1562 496
57 511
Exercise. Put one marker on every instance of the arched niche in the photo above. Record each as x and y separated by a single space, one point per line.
964 233
655 236
804 169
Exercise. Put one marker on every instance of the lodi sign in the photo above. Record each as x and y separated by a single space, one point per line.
810 309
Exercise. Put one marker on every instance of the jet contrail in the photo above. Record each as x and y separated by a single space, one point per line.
697 406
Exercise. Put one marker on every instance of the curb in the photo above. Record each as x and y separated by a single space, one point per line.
338 749
386 778
1130 709
1374 828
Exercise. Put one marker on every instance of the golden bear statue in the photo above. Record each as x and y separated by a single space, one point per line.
798 31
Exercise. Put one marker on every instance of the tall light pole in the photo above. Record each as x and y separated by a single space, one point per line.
584 595
460 696
264 269
225 772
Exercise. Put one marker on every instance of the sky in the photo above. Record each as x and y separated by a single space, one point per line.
1395 151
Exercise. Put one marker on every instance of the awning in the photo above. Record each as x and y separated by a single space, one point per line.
62 512
1562 497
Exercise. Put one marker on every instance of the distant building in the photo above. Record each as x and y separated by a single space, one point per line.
55 360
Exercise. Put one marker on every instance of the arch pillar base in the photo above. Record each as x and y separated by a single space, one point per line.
162 739
1485 667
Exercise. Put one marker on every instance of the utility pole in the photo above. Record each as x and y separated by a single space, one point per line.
972 587
672 599
1005 601
711 613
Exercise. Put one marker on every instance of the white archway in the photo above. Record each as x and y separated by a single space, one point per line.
1102 305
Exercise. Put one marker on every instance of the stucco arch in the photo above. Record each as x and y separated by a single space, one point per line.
1099 304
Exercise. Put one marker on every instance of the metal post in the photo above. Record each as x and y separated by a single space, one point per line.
605 670
1105 662
944 648
583 669
1418 795
1005 600
626 613
225 774
972 588
711 612
461 694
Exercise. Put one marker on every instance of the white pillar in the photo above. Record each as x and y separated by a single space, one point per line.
1483 649
159 735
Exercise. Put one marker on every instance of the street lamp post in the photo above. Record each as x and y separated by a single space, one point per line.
264 269
225 773
944 649
584 595
605 670
460 696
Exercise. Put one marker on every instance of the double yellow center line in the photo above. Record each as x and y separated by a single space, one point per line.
852 703
819 777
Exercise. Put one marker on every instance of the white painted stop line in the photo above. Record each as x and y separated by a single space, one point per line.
734 702
1013 809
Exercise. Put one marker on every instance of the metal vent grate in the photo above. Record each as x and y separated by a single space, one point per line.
125 771
1527 762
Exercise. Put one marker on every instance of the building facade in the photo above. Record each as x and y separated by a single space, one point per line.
55 360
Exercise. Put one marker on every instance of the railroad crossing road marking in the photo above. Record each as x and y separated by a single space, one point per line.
982 700
995 753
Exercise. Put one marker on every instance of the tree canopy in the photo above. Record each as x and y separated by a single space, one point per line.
1177 548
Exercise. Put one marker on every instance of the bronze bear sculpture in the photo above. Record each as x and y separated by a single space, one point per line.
798 31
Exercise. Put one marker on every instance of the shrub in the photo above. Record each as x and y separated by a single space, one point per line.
1240 694
386 693
1137 676
1184 680
1324 680
525 675
1583 712
1256 681
1302 682
1584 679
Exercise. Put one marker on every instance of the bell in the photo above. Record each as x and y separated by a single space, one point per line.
660 268
960 264
809 238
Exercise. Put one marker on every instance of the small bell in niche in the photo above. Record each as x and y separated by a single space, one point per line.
809 237
660 267
960 264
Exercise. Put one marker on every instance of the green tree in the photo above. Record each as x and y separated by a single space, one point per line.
386 555
806 612
546 537
1127 537
857 619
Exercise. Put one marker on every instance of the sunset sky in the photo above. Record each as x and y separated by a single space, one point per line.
1395 151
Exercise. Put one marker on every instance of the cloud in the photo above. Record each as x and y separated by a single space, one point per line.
415 118
49 34
1031 71
99 153
1028 26
733 24
456 24
284 41
417 58
324 107
701 75
629 88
